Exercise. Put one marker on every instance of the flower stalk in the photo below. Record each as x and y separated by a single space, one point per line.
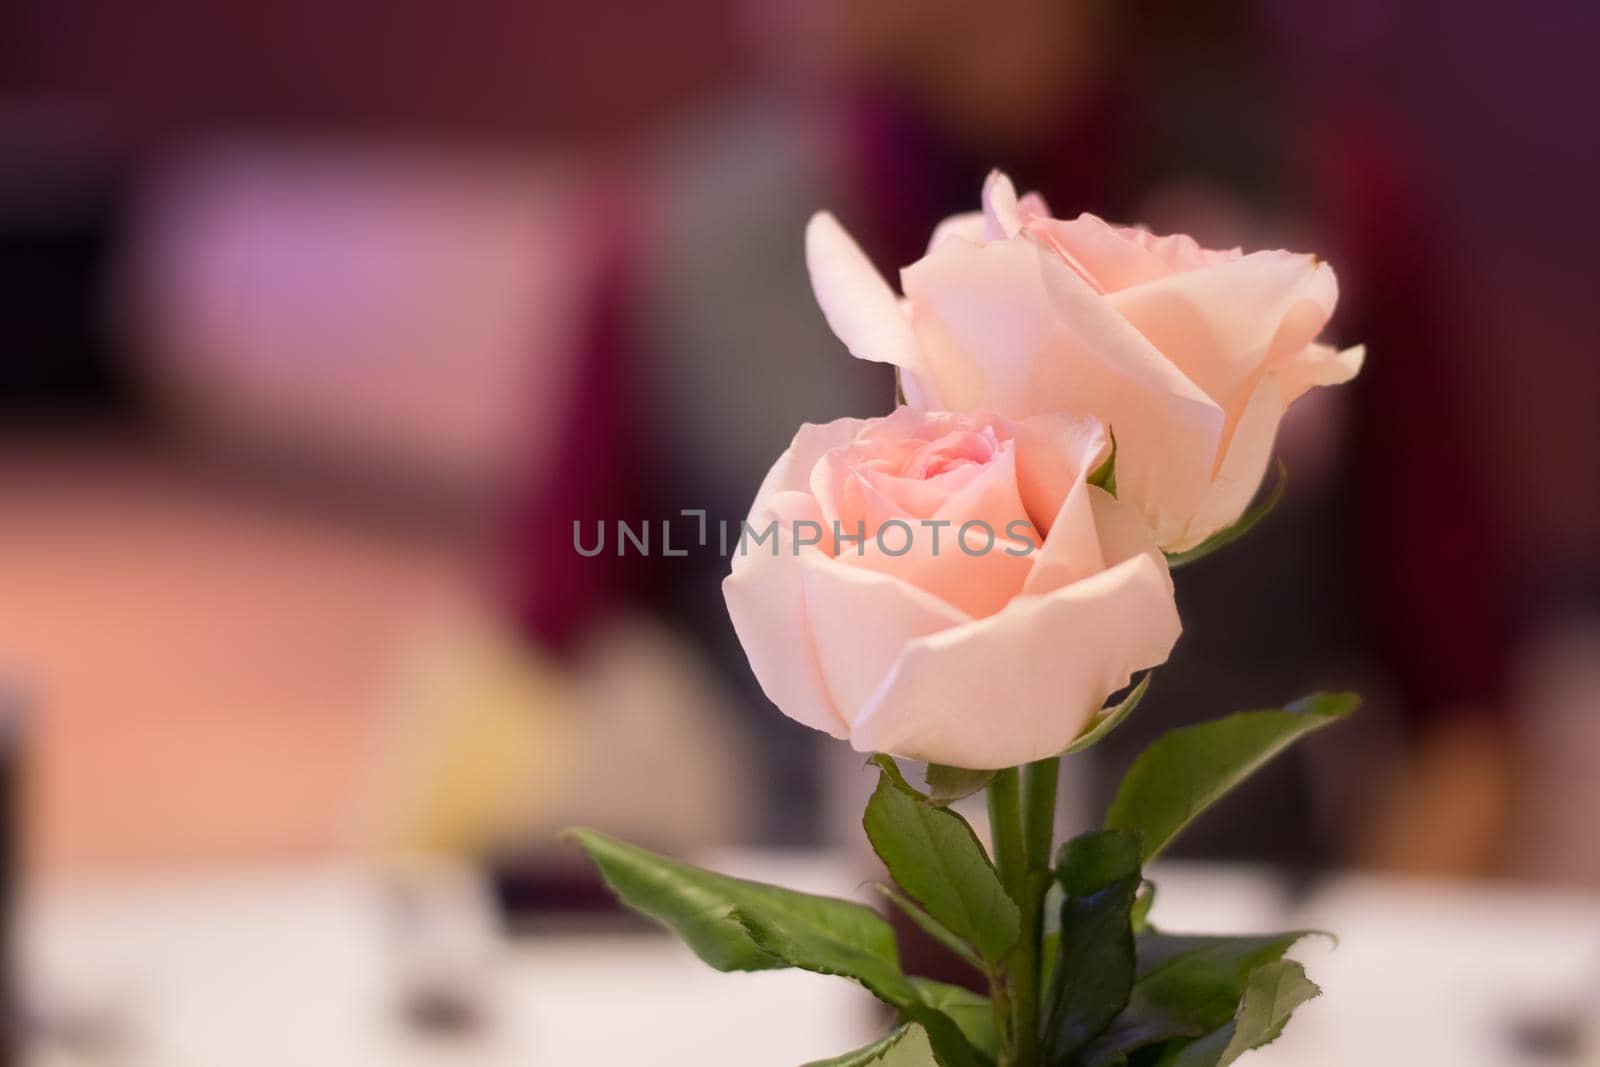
1039 781
1022 807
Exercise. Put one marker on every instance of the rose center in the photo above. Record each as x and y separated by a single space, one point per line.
952 452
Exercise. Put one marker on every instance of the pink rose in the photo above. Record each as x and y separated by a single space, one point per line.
992 602
1190 355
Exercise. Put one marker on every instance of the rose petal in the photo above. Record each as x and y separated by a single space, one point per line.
850 494
1071 551
921 498
1244 464
861 309
977 581
766 600
1055 454
1020 685
1123 533
1101 253
1002 215
1219 325
969 226
855 655
1318 364
996 335
1178 251
1168 432
1007 326
792 471
1033 206
921 391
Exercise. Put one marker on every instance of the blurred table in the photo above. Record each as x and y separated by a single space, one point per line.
309 968
1447 974
314 967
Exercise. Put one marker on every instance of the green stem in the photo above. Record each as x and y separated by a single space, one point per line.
1005 827
1011 863
1022 822
1039 782
1000 1004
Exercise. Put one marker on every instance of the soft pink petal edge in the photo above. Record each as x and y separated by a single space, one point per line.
1243 465
766 601
765 594
791 471
861 308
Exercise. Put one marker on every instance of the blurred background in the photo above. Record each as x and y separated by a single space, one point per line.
321 324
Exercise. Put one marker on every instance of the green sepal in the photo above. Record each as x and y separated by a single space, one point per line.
946 785
1108 719
1105 475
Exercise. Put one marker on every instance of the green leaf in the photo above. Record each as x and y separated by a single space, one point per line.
1110 718
937 859
804 949
1272 994
1187 770
905 1046
1200 978
929 925
949 784
713 912
970 1011
1094 971
1186 987
738 925
1244 524
1091 861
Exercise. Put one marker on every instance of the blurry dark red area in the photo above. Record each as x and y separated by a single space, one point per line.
494 70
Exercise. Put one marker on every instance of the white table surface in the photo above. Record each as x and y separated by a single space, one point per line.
302 968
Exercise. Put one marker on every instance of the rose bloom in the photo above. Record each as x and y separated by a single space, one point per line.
923 639
1191 355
